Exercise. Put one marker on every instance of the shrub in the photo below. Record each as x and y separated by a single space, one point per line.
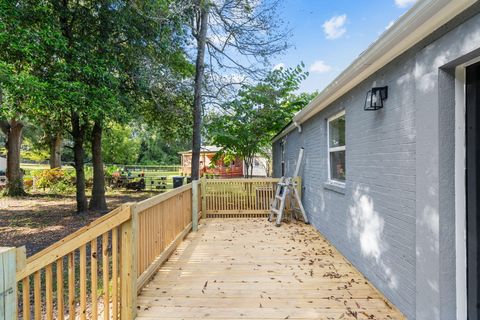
109 170
27 183
56 180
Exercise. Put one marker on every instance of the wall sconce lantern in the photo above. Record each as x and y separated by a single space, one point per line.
375 98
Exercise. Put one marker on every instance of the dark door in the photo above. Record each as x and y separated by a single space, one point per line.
472 183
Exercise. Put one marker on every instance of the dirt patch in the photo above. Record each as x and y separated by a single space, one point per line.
38 220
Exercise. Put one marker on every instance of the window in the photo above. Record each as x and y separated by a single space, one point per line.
336 148
282 145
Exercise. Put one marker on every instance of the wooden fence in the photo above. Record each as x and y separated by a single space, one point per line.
163 221
71 272
96 272
237 197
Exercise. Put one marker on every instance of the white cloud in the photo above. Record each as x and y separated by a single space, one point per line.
279 65
320 66
404 3
335 27
218 40
389 25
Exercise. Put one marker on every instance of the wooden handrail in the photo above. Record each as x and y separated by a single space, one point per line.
74 241
132 241
243 180
163 220
237 197
150 202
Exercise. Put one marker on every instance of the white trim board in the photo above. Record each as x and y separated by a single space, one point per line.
460 195
342 148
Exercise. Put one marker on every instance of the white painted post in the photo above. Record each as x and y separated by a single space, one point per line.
8 284
194 205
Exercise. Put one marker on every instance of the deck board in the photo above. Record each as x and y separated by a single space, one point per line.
249 269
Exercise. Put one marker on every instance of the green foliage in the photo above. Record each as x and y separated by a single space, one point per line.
34 146
120 145
157 147
127 145
55 180
58 180
35 155
97 61
30 45
109 170
260 111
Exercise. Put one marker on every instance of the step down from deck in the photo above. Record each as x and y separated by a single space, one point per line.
287 187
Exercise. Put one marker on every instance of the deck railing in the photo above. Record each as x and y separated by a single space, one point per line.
237 197
163 221
63 278
96 272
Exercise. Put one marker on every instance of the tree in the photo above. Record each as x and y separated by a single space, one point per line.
236 37
259 112
120 144
110 45
55 140
29 45
154 66
159 147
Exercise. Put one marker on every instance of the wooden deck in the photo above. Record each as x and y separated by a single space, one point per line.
249 269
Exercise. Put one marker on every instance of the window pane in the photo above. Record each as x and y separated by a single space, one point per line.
337 132
337 165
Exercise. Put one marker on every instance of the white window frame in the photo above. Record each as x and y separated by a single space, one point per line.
329 150
283 167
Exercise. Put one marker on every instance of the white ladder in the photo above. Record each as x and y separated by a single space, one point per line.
285 187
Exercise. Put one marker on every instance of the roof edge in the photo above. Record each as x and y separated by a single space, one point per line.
415 25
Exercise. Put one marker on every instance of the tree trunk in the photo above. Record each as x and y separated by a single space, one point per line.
249 165
78 135
197 100
97 202
56 150
14 173
267 168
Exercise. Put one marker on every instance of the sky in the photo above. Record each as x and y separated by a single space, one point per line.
327 35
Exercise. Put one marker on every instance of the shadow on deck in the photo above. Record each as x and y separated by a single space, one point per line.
249 269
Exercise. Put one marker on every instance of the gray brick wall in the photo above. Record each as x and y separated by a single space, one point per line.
374 221
276 159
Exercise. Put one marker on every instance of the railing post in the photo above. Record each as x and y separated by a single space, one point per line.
194 205
128 277
204 197
8 285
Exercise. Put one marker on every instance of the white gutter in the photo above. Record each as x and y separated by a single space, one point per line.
421 20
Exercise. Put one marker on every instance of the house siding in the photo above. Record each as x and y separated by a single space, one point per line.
395 218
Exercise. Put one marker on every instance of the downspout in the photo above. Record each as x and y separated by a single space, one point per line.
298 126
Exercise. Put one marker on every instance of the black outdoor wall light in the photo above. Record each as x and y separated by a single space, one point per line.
375 98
